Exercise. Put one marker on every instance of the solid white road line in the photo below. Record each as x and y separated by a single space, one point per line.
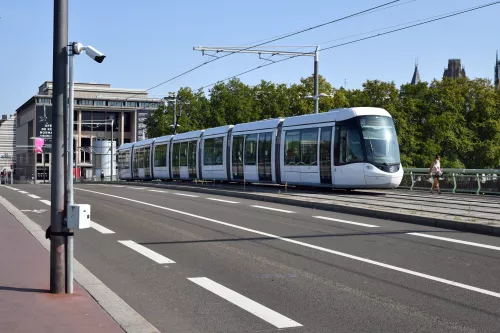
319 248
158 191
23 192
47 202
187 195
227 201
259 310
100 228
117 186
33 196
147 252
491 247
136 187
344 221
275 209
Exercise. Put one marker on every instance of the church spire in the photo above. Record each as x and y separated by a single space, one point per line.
416 75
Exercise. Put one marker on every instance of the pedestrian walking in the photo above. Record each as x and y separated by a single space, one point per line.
435 172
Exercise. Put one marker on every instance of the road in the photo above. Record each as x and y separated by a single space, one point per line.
191 262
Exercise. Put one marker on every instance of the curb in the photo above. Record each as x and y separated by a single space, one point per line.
126 317
366 212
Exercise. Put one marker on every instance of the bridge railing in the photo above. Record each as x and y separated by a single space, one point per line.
455 180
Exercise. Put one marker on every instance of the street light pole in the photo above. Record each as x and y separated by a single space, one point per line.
59 79
112 121
316 79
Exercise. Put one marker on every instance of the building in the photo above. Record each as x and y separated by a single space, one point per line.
7 142
454 70
94 105
416 76
496 80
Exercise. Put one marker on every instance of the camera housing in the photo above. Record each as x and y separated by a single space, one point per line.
94 54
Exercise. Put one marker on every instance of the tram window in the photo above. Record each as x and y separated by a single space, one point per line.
160 156
175 155
292 153
183 154
218 151
147 155
309 146
348 147
251 149
208 151
213 151
192 153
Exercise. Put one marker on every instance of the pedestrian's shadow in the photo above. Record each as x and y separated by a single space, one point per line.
24 290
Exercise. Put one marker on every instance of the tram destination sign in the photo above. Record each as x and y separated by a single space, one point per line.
43 124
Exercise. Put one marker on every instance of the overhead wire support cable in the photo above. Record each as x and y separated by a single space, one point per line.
434 18
270 41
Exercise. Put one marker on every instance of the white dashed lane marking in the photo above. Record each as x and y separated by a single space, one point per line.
158 191
344 221
187 195
47 202
226 201
491 247
147 252
33 196
259 310
275 209
100 228
23 192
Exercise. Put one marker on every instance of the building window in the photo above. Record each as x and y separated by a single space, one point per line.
98 119
126 121
86 119
115 103
85 102
99 103
44 101
38 158
131 104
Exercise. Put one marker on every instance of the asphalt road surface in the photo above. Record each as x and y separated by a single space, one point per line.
191 262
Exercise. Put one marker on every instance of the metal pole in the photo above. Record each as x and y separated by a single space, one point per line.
44 171
112 121
59 79
175 114
316 83
69 174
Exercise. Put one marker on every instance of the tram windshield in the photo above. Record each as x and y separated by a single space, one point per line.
380 140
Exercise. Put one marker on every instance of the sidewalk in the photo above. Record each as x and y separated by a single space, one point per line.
25 302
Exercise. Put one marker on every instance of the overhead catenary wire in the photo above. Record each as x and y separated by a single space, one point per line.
427 20
269 41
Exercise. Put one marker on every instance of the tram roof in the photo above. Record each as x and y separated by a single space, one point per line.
258 125
165 138
217 130
188 135
126 146
144 143
334 115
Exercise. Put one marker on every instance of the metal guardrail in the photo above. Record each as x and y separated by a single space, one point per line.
455 180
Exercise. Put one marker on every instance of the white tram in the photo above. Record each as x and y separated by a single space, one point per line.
343 148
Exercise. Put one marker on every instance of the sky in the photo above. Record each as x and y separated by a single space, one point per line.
150 41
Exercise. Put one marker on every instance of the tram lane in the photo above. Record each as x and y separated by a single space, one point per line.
415 295
359 289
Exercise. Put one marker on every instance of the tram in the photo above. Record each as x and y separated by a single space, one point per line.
350 148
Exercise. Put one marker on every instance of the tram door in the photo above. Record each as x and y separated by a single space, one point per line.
264 150
325 155
137 155
237 157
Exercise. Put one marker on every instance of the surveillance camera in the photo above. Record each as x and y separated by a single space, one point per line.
94 54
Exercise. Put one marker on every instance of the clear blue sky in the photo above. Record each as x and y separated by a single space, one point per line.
147 42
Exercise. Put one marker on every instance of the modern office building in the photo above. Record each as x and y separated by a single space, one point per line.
95 107
7 142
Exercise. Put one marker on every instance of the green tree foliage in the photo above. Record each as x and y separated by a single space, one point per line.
458 119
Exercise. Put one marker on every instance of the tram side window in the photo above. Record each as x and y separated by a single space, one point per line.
251 149
309 146
147 155
348 147
192 153
292 153
183 154
175 155
124 160
213 151
160 156
301 147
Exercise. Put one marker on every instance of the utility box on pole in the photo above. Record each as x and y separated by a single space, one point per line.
78 216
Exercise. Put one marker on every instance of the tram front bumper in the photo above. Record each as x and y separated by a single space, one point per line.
376 178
